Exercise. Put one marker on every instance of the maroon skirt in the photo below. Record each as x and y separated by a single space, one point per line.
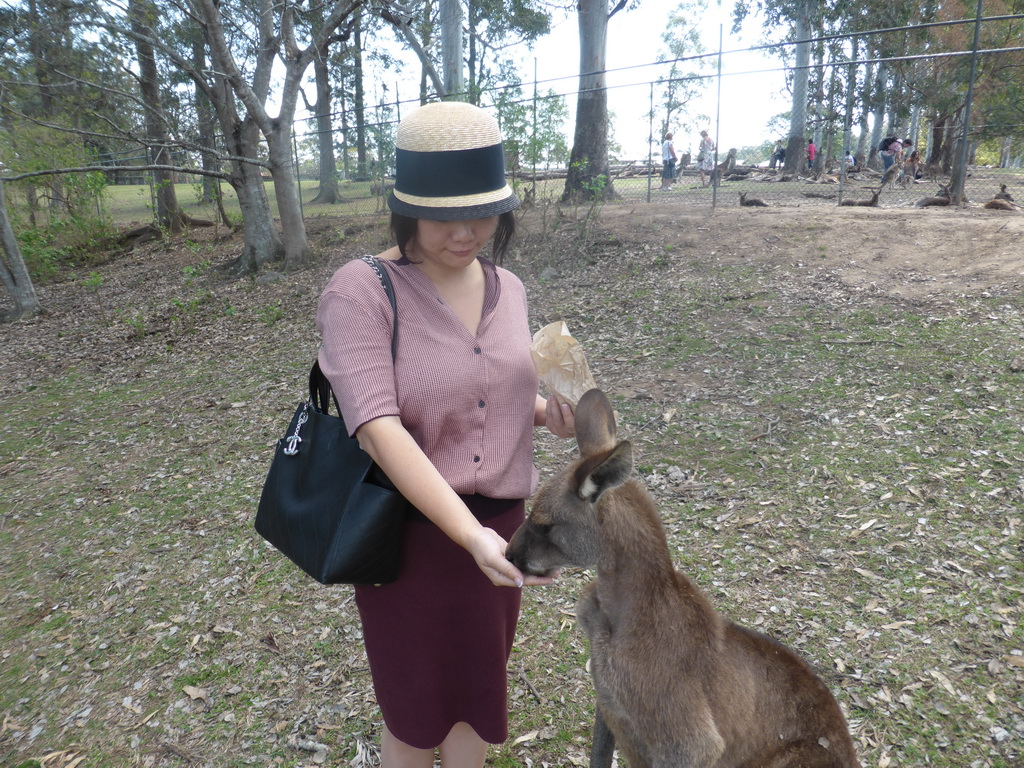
439 637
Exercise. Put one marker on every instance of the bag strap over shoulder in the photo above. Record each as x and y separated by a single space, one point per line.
320 393
389 289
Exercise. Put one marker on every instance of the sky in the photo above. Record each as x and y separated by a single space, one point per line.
748 101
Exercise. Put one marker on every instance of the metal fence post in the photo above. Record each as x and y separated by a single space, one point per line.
851 81
958 193
650 145
718 123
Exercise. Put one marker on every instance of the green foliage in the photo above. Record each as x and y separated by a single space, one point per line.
72 242
683 82
534 130
136 322
29 148
271 313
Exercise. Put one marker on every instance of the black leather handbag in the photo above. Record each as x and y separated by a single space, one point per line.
325 503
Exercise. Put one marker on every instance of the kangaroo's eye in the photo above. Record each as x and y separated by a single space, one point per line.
543 530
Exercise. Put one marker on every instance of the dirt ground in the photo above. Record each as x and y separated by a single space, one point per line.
152 628
914 254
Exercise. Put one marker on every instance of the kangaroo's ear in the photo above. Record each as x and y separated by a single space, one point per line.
597 474
595 423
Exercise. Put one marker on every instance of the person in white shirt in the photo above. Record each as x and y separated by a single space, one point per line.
668 162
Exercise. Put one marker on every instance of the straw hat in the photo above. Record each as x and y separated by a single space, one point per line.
450 165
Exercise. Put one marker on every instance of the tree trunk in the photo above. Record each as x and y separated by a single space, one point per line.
475 52
206 122
1005 151
13 270
168 214
588 177
41 34
451 48
328 192
328 171
957 159
362 164
262 243
796 145
938 123
297 252
915 125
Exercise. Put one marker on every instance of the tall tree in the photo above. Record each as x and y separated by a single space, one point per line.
240 90
588 176
142 14
682 45
494 25
798 14
328 192
451 47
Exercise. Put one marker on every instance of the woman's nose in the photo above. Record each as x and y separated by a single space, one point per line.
461 231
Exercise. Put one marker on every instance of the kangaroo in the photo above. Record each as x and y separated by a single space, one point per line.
889 177
677 684
1002 194
999 205
870 203
941 198
753 201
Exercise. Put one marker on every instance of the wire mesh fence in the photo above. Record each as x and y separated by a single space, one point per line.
847 94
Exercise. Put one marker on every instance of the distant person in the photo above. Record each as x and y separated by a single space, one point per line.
668 162
912 166
706 158
811 152
891 150
849 161
778 155
902 149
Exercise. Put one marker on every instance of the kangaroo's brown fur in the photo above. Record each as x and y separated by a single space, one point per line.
942 198
677 684
870 203
752 201
999 205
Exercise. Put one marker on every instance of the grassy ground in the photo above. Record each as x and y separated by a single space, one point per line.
133 203
839 467
127 203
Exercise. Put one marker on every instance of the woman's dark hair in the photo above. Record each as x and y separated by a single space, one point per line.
403 228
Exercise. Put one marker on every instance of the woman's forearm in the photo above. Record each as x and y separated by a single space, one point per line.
403 461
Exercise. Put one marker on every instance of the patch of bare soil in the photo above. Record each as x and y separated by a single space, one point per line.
910 254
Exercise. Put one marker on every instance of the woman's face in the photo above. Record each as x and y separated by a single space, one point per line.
452 244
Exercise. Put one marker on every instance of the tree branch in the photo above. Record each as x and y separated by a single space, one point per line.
126 168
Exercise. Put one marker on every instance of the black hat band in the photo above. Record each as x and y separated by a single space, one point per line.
453 173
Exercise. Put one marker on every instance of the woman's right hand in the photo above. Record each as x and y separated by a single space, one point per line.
488 550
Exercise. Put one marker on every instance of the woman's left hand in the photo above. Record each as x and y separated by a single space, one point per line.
561 420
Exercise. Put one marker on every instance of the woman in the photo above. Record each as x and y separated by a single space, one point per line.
706 158
668 162
451 423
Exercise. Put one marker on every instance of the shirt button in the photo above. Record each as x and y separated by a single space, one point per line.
476 351
481 404
476 459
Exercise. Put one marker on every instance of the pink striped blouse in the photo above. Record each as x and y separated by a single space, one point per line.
467 401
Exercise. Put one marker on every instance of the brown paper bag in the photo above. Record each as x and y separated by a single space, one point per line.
560 363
